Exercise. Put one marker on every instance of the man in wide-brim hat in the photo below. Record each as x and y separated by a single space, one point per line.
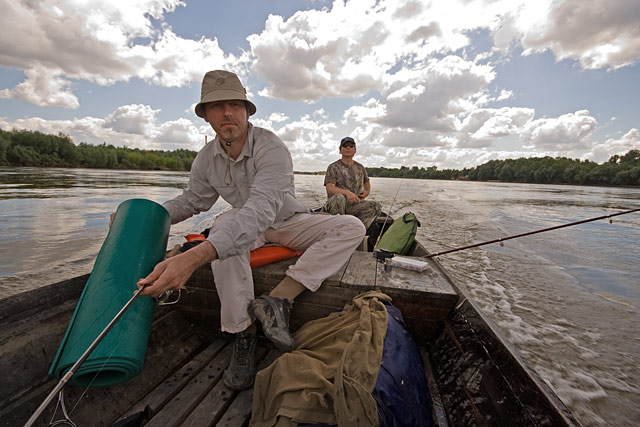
251 169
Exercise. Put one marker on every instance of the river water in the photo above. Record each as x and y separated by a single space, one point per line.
569 299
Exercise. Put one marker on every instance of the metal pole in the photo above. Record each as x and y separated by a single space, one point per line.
529 233
66 377
387 217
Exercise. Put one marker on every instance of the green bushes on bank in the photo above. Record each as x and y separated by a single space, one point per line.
618 170
27 148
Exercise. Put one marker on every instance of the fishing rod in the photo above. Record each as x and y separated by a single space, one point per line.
382 255
500 240
66 377
387 217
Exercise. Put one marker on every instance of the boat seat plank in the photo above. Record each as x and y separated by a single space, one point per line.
239 412
162 394
179 407
363 271
360 274
425 298
225 407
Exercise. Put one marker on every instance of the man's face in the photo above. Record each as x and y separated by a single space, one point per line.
228 118
348 149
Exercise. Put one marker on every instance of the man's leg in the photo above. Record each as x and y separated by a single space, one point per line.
367 211
328 242
234 283
336 204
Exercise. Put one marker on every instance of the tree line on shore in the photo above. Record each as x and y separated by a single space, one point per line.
618 170
28 148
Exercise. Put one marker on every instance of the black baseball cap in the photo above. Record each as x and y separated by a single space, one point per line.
347 140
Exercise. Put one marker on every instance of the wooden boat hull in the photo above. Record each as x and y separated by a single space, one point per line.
476 377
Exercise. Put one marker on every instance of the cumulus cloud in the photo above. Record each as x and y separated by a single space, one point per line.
567 132
348 50
278 117
178 133
483 125
588 31
134 119
429 98
134 126
98 42
371 110
603 151
401 138
306 135
43 87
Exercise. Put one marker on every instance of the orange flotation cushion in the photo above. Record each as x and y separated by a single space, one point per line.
260 256
268 254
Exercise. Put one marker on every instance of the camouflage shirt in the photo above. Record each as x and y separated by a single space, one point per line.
350 178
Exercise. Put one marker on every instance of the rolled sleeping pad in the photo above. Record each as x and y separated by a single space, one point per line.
136 242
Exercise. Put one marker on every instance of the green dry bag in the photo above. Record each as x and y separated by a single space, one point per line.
400 236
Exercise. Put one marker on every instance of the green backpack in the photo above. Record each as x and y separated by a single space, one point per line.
400 236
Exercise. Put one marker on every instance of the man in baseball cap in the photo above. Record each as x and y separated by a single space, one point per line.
252 170
348 185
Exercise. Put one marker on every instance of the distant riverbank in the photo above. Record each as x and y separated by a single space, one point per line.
27 148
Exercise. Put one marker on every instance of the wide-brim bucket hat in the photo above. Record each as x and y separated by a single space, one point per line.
220 85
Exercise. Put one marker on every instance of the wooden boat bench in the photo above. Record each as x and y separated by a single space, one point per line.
424 298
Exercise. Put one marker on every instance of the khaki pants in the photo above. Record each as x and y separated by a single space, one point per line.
328 242
366 211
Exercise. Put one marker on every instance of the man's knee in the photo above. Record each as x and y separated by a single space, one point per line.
354 225
336 204
377 207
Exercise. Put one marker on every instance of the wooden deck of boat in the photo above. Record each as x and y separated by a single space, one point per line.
181 384
195 394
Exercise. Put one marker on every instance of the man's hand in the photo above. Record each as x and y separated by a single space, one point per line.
113 215
173 273
352 197
363 194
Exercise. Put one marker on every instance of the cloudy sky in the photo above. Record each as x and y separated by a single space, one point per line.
446 83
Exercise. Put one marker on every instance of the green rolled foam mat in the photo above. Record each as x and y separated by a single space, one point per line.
136 242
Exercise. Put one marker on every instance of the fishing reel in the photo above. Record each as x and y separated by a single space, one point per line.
384 257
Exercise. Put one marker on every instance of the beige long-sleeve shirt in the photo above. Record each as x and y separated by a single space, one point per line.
260 182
